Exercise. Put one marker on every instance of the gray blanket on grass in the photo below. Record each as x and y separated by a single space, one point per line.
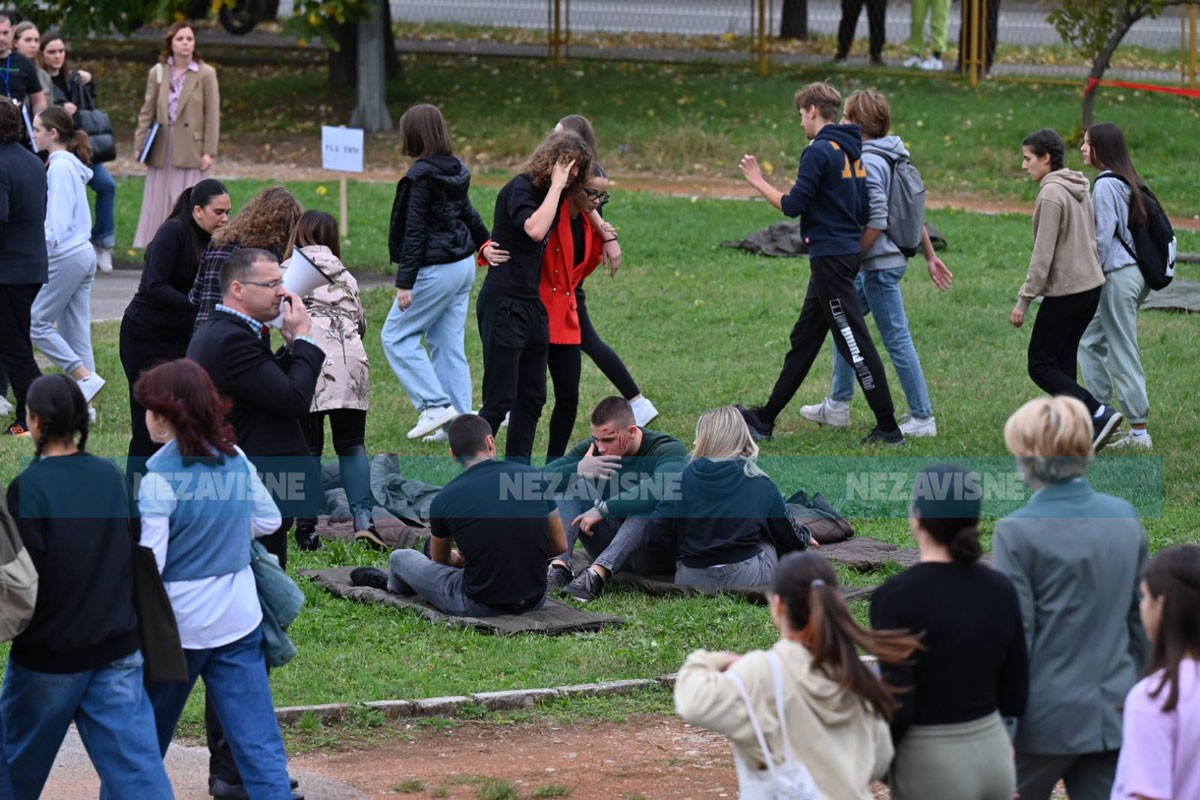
783 240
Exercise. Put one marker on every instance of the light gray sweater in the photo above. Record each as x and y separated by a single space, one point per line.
1110 197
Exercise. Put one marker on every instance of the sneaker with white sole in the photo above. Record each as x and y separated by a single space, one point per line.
918 426
1104 426
6 407
103 258
1131 442
644 411
91 386
504 422
431 419
440 435
830 412
932 64
913 61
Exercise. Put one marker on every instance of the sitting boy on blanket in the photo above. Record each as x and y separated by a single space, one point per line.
504 523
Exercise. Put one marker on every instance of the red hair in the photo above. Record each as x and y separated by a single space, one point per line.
181 392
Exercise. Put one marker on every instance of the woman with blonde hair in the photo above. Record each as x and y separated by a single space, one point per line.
807 718
1073 555
728 522
265 223
182 99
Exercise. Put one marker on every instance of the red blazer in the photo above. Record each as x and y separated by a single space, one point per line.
561 276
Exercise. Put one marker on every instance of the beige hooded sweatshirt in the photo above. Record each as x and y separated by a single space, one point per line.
843 743
1064 260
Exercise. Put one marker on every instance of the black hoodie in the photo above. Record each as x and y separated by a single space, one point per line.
433 221
830 194
720 516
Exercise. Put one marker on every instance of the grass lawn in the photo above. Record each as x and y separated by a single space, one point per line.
700 326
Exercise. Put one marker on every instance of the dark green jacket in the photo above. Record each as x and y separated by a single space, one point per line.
641 479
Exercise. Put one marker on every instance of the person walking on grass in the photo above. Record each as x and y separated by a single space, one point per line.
1065 272
878 282
1108 352
830 197
434 235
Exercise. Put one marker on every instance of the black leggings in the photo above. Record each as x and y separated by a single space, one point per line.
1054 344
876 12
349 428
601 354
564 363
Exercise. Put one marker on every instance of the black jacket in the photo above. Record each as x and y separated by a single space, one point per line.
88 118
433 221
161 304
22 216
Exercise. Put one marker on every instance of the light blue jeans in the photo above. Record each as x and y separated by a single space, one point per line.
235 678
112 713
442 377
411 572
879 294
60 321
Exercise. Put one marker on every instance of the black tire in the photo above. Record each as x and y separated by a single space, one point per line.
240 18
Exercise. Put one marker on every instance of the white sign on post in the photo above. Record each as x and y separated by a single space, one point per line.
341 149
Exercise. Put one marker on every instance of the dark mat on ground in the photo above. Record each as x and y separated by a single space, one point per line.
1179 296
867 555
783 239
553 619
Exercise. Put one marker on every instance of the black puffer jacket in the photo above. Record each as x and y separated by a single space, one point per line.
433 221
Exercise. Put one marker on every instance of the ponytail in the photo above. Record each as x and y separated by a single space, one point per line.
80 146
78 143
62 412
947 500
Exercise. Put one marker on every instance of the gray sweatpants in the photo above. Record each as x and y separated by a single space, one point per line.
1108 352
60 321
961 761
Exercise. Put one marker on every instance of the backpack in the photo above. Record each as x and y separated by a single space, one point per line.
906 205
18 579
1154 243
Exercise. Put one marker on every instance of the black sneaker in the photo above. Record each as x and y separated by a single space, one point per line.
557 576
370 577
306 535
587 586
224 790
759 430
879 436
1104 426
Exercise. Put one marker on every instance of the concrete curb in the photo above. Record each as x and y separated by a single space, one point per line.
512 700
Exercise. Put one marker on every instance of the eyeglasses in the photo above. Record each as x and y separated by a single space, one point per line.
596 196
275 284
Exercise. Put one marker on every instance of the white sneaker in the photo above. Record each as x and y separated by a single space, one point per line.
918 426
91 386
91 415
913 61
431 419
1130 442
440 435
932 64
834 413
103 258
504 422
6 407
644 411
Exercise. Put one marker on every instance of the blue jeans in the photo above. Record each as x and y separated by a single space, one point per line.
6 791
440 300
879 294
615 544
112 713
235 678
438 584
104 230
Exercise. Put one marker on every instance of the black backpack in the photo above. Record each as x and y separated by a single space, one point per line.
1154 243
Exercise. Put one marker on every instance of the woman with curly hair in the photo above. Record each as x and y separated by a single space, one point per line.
513 322
265 223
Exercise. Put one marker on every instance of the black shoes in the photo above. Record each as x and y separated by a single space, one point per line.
222 790
587 586
879 436
557 576
759 430
370 577
1104 426
306 535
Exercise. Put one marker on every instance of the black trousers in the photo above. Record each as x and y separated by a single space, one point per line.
991 22
601 354
831 304
16 349
876 12
349 428
141 349
1054 344
516 337
565 362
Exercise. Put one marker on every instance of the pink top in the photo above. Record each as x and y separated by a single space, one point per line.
1159 749
177 87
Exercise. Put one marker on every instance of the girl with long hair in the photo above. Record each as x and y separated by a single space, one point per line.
1063 270
728 522
344 385
972 669
79 660
835 709
1108 353
434 235
1162 711
61 317
201 541
183 100
157 323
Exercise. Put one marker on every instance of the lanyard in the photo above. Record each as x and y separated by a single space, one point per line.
7 71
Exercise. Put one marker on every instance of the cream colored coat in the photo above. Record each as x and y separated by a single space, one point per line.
197 125
843 743
338 325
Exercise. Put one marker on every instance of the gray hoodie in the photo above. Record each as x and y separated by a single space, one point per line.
876 154
68 218
1110 196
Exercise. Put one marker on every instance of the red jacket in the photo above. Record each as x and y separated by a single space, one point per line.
561 276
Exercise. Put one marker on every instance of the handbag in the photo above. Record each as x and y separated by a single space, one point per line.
161 648
97 125
18 579
281 600
791 780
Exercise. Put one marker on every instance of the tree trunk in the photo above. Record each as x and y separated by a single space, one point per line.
1100 66
343 60
793 23
371 113
391 62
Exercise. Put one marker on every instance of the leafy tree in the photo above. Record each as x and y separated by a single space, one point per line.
1095 28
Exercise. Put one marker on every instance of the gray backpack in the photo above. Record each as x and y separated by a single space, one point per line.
906 205
18 579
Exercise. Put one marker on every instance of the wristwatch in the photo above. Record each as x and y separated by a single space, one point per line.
601 507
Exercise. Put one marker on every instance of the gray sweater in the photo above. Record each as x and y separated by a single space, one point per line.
1110 197
884 254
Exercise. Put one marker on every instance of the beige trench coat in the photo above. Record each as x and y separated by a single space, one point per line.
197 125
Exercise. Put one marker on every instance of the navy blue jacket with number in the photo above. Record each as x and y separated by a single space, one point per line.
830 194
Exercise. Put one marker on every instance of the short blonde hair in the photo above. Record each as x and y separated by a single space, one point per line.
870 110
1051 438
721 434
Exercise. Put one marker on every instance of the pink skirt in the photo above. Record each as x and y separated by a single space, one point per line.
163 187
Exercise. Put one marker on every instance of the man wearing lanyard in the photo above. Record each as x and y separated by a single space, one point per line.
18 75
